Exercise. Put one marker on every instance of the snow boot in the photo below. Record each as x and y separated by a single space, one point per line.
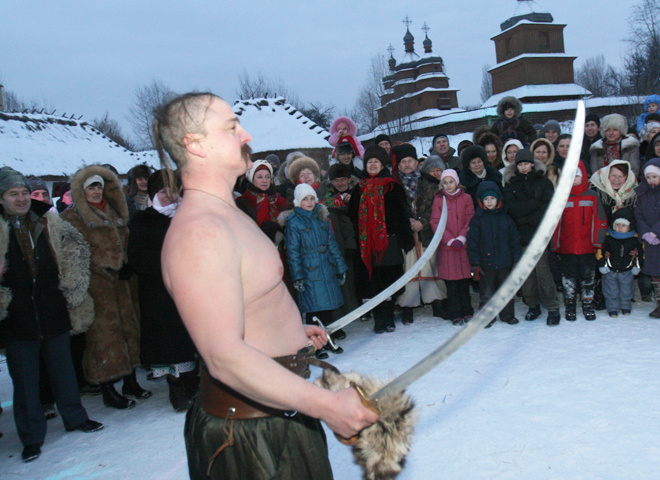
338 335
111 397
553 318
407 315
439 308
180 397
656 288
571 314
132 389
588 310
533 313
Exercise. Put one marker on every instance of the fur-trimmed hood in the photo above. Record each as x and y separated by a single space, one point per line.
512 100
352 129
513 141
301 163
627 144
113 194
551 149
320 210
479 132
510 170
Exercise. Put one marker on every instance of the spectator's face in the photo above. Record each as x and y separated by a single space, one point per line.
617 178
374 167
653 107
94 193
562 147
408 165
436 173
490 202
652 179
511 151
591 129
342 129
386 145
652 133
67 198
340 183
262 180
345 157
166 197
577 180
42 196
491 151
656 148
16 201
476 165
622 227
306 176
308 203
552 135
141 183
509 112
441 145
525 167
541 153
612 135
449 184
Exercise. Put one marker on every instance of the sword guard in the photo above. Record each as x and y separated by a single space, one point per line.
370 403
320 324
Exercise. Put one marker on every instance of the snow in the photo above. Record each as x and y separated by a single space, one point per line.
577 401
546 90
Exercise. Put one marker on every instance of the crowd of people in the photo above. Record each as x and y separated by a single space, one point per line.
85 299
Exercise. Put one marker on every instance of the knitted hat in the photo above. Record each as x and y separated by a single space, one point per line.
339 170
435 138
256 166
37 184
538 126
551 125
592 117
93 179
433 161
524 155
10 178
403 151
615 121
624 216
652 169
450 172
301 191
378 153
382 138
274 160
488 189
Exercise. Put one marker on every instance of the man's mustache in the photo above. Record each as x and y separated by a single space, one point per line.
246 151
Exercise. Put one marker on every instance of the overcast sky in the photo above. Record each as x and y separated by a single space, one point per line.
87 57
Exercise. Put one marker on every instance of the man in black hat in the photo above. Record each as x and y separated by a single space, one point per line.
591 135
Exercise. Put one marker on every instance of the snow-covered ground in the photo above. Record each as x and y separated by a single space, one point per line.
576 401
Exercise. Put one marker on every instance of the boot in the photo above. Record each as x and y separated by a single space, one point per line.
407 315
533 313
656 288
180 397
553 318
439 308
132 388
571 314
112 399
588 310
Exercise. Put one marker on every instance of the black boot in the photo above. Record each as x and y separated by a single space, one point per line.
180 397
570 312
111 397
407 316
588 310
533 313
553 318
656 288
132 388
439 308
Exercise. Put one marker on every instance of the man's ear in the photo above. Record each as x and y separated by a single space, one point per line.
193 143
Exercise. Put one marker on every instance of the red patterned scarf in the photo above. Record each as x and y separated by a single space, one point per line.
268 206
371 219
612 151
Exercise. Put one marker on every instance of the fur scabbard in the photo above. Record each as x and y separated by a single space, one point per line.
380 449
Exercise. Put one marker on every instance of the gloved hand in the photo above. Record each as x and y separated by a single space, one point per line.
635 270
474 270
650 238
342 278
604 270
457 244
299 286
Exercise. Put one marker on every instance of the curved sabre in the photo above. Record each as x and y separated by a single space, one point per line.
400 283
515 279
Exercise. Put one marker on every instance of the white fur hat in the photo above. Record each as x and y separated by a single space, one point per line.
301 191
615 121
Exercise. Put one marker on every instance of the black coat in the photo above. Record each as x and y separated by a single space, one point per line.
471 182
163 339
619 250
493 242
527 197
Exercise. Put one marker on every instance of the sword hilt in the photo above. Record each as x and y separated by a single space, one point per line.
320 324
368 402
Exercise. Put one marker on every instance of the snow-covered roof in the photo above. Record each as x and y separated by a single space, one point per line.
45 145
276 125
414 94
553 90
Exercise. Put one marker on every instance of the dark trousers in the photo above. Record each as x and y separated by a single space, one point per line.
23 366
458 298
324 315
489 282
578 276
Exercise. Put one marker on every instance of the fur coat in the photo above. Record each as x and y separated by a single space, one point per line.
71 256
629 148
113 341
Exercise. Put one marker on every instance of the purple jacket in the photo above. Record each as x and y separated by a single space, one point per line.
647 216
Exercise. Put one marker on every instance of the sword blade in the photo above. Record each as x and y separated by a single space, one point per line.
400 283
515 279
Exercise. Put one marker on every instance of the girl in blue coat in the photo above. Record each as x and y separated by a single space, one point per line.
316 265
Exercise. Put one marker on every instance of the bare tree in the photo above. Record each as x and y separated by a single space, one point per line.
318 113
260 86
598 77
365 112
12 102
486 83
642 61
112 130
140 114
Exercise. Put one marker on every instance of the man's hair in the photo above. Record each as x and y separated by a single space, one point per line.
172 121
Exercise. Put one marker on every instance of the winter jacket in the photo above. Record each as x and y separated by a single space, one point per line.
314 257
619 245
164 339
471 182
56 298
335 138
341 222
647 216
629 148
582 227
453 264
513 128
493 241
451 160
641 120
527 197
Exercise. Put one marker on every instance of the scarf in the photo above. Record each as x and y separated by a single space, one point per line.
409 182
141 200
612 151
506 128
333 199
169 210
268 206
100 206
372 232
602 183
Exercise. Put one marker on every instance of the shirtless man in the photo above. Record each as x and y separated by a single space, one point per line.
225 277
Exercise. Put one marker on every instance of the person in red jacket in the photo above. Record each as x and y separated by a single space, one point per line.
579 233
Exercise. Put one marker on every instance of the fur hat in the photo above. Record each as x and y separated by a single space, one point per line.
509 102
433 161
339 170
592 117
382 138
378 153
381 448
404 150
345 147
10 178
647 129
551 125
299 164
37 183
303 190
470 153
463 144
615 121
256 166
524 155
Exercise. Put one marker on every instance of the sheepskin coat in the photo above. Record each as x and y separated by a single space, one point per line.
629 148
516 127
113 340
56 297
